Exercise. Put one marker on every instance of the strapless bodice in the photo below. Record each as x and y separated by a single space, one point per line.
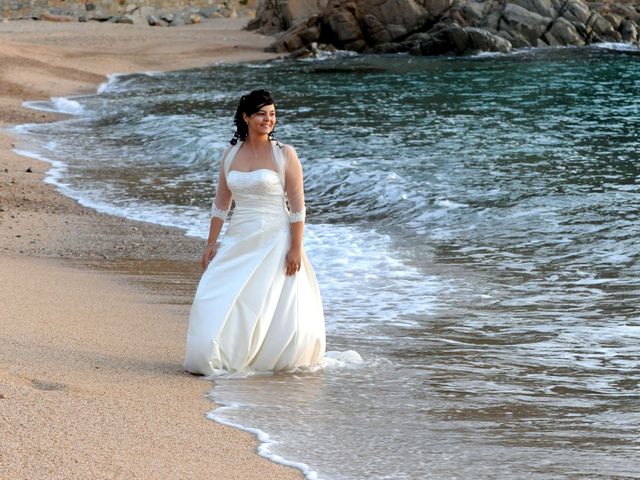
259 197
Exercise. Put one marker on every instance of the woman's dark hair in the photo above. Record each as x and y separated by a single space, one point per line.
250 104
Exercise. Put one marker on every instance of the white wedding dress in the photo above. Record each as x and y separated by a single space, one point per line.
248 315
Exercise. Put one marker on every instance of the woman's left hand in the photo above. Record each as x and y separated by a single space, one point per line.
294 259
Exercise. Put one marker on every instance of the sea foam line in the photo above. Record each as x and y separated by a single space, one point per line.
57 105
142 212
332 360
265 440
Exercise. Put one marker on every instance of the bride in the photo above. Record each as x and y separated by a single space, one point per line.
257 307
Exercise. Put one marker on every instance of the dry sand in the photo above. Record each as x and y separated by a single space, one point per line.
93 308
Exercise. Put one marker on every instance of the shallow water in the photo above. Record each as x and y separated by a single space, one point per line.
474 227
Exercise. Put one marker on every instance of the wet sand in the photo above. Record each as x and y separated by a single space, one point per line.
93 307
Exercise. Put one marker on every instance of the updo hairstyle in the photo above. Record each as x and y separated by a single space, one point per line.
250 104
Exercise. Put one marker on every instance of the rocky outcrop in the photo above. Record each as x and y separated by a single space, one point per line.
141 12
433 27
274 16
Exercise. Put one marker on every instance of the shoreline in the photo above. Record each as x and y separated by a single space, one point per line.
91 378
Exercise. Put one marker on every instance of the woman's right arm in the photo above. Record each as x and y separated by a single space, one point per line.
219 210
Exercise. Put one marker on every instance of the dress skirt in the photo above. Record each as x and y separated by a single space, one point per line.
248 316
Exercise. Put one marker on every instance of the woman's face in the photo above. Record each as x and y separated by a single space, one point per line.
263 121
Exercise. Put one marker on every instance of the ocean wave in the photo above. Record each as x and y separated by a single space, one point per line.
65 105
266 442
617 47
112 79
471 227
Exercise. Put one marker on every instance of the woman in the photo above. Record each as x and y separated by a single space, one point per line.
257 307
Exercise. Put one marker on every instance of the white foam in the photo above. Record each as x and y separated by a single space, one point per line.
450 204
54 174
487 54
22 129
189 219
351 260
57 105
265 440
114 78
67 105
323 55
344 359
332 360
106 86
617 46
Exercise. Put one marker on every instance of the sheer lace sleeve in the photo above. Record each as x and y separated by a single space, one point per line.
294 185
222 201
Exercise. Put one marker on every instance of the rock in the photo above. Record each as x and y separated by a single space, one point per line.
562 32
99 16
544 8
294 45
300 10
147 10
528 24
626 11
614 20
195 18
125 19
459 41
492 21
433 27
156 21
628 31
575 11
600 25
392 47
427 44
140 16
341 22
209 11
298 37
302 52
474 11
514 38
178 21
274 16
482 41
50 17
391 20
358 24
137 15
435 8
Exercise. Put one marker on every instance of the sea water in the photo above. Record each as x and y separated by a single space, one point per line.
474 224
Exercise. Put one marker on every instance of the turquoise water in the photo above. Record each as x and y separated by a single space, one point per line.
474 226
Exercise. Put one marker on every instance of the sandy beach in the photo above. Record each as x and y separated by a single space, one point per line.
94 308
